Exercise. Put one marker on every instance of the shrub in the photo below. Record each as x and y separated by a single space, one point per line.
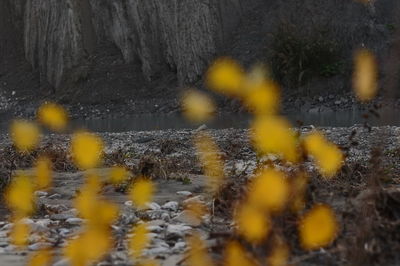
296 58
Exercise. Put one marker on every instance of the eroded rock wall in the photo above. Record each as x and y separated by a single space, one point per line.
179 35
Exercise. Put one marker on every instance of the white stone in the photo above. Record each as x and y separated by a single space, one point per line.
41 193
177 229
153 206
154 228
39 245
128 203
171 205
74 221
184 193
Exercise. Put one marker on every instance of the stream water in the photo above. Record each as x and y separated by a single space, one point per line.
343 118
161 122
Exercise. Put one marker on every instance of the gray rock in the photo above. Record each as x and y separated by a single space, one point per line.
184 193
188 217
74 221
41 193
153 206
171 205
154 228
62 262
39 246
177 230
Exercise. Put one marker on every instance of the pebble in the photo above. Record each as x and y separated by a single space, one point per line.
188 217
195 199
41 193
74 221
154 228
177 230
55 196
157 222
184 193
39 245
153 206
128 203
156 251
171 205
179 246
62 262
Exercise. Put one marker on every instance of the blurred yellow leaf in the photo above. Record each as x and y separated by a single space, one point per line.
213 166
252 223
235 255
43 173
328 156
148 263
299 187
195 210
262 96
197 252
53 116
40 258
89 247
25 135
20 233
272 134
118 174
269 190
279 255
365 75
86 149
142 192
318 227
225 76
197 106
19 195
139 240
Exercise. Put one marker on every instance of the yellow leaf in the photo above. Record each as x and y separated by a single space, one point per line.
207 152
225 76
40 258
262 96
19 195
197 252
252 223
89 247
142 192
269 190
318 227
299 187
118 174
328 156
272 134
43 173
139 240
148 263
365 75
20 233
195 210
197 106
25 135
86 149
53 116
279 255
235 255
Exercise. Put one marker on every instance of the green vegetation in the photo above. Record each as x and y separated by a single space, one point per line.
296 58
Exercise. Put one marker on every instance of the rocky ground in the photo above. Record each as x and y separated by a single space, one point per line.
168 158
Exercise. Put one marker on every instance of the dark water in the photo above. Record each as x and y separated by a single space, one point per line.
158 122
342 118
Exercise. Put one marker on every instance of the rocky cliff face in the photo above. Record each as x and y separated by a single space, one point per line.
179 35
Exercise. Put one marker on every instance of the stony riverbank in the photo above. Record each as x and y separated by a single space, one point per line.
168 157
